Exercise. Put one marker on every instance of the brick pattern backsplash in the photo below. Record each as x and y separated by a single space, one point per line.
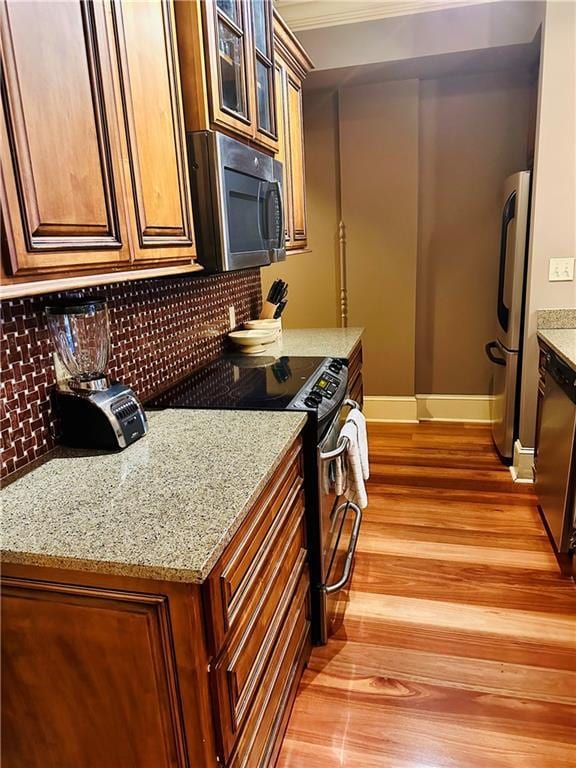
160 329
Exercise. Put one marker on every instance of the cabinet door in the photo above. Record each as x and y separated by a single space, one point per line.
296 150
262 49
229 64
156 142
94 670
61 193
283 154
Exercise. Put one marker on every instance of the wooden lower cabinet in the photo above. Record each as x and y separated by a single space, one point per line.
356 387
104 671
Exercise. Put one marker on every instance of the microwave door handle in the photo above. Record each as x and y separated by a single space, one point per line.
281 227
261 211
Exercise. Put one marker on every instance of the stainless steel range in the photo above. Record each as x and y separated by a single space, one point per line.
317 386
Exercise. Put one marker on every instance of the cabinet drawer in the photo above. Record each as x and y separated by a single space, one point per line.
237 582
257 745
355 361
356 389
238 671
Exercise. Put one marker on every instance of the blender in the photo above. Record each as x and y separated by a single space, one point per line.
94 411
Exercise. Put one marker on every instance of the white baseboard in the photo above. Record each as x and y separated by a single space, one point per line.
522 469
454 408
382 409
475 408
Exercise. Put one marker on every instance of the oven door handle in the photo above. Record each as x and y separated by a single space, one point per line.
341 448
347 570
343 445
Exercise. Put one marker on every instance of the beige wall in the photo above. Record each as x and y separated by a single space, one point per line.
473 134
553 229
437 150
312 299
379 182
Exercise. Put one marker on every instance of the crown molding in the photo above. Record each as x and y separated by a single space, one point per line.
312 14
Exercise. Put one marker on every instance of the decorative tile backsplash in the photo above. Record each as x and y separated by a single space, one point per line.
160 329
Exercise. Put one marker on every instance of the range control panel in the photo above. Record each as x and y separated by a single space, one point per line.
324 390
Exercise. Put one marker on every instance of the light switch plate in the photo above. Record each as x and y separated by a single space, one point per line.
561 269
232 317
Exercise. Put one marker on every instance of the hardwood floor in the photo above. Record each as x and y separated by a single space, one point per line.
459 644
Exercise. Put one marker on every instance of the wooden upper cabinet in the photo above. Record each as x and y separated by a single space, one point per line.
60 147
297 185
93 144
266 131
227 61
156 139
292 65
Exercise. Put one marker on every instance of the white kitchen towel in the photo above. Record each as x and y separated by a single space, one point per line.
340 469
359 419
355 488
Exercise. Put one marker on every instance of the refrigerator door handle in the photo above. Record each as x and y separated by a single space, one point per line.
492 345
508 215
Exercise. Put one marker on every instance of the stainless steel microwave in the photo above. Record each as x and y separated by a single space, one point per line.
238 205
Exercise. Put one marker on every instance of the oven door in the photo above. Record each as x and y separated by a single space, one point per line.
339 528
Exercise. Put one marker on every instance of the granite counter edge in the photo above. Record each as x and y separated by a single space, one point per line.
543 335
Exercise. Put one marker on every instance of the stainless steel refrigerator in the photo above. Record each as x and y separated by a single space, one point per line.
505 350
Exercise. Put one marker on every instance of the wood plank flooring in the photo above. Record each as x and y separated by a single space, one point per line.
458 648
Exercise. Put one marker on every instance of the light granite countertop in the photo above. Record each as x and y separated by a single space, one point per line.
165 507
320 342
563 342
556 318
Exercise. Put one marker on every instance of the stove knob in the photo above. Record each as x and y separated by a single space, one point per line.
335 366
311 402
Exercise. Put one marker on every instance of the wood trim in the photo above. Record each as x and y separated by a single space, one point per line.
457 408
382 409
13 290
475 408
522 469
318 13
343 271
290 47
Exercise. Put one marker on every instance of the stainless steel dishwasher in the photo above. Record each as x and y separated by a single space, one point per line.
555 461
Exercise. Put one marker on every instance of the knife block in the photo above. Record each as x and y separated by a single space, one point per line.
268 311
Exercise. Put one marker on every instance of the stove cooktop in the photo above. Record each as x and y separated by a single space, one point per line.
243 382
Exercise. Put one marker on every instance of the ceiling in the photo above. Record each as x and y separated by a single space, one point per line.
517 57
312 14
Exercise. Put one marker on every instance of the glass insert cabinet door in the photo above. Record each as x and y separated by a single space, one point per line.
231 31
262 32
241 67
